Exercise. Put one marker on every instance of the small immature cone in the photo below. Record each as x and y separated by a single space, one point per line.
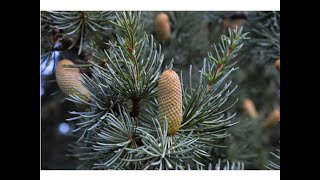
277 64
170 101
163 27
250 108
68 80
232 23
272 119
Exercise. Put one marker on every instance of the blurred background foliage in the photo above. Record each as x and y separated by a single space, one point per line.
192 34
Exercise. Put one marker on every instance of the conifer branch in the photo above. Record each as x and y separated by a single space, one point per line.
108 133
80 24
137 61
274 164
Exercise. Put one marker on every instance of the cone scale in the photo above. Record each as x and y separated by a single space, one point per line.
170 101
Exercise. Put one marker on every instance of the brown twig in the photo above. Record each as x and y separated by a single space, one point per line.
135 108
214 77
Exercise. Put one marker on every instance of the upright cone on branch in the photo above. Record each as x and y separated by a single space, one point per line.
232 23
272 119
69 79
170 101
163 27
277 64
250 109
234 20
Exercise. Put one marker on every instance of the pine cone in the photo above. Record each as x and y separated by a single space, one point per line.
170 101
232 23
273 118
250 108
163 27
68 80
277 64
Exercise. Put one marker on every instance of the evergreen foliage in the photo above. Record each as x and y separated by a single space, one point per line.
121 59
